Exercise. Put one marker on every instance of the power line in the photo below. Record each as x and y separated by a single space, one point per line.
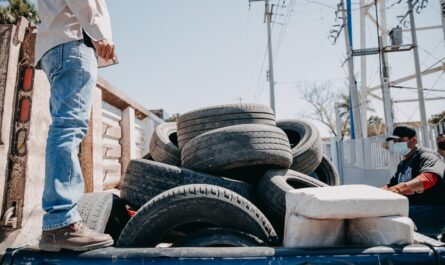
259 76
432 51
426 94
286 24
319 3
439 61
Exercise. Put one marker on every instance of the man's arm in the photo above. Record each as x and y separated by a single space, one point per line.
393 181
419 184
94 18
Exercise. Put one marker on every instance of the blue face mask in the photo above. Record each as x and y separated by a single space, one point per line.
401 148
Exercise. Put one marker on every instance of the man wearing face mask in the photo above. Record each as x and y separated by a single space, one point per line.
419 177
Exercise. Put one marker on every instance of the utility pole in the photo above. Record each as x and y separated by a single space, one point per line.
387 103
418 76
363 82
339 140
356 117
268 14
384 75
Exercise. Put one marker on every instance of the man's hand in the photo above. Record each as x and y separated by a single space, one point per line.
402 188
104 49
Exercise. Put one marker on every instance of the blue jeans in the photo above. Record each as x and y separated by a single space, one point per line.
429 219
71 69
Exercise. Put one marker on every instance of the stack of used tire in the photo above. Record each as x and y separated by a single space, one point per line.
218 177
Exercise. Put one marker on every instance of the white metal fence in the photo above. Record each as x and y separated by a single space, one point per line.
366 161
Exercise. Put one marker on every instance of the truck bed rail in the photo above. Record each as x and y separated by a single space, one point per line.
412 254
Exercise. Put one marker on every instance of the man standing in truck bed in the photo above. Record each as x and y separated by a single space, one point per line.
419 176
71 67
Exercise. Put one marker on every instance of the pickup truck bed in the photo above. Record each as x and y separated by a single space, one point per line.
412 254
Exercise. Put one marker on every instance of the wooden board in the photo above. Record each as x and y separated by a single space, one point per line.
111 152
111 165
111 132
111 111
112 180
108 121
5 39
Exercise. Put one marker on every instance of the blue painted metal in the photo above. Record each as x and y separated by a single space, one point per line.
351 116
408 255
349 21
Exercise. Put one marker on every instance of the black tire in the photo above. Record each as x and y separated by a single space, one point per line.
237 147
326 172
146 179
95 209
271 192
119 217
219 237
194 204
103 212
305 142
197 122
164 144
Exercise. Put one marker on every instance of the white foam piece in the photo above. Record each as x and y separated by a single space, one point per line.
345 202
301 232
392 230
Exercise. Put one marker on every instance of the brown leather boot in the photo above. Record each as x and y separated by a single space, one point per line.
75 237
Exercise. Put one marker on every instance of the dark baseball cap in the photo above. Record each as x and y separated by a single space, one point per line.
402 131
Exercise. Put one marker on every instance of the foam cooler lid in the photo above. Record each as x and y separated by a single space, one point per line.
345 202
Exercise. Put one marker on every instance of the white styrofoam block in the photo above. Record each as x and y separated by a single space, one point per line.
392 230
345 202
301 232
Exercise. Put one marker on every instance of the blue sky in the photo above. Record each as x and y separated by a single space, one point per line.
180 55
